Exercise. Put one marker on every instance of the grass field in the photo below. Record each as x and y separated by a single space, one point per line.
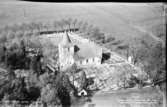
117 19
147 97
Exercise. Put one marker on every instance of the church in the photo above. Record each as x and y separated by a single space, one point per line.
82 54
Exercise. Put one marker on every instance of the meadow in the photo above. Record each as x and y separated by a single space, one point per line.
115 19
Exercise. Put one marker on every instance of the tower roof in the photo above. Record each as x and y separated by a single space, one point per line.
66 41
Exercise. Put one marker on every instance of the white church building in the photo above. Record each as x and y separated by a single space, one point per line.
82 54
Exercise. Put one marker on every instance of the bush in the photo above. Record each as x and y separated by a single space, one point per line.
56 89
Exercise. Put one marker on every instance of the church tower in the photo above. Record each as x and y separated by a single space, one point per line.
66 52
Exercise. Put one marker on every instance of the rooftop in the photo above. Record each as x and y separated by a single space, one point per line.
66 41
86 50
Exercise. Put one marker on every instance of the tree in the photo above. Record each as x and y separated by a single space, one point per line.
151 56
49 95
65 23
19 34
68 22
74 22
55 24
138 52
56 89
7 28
80 25
89 29
3 38
16 89
44 79
83 80
15 28
72 70
40 25
84 27
61 24
33 27
46 27
64 90
10 35
156 65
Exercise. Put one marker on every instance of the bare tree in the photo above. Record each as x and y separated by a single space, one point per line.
89 29
55 24
84 27
61 24
74 23
46 27
25 27
68 22
15 27
38 26
80 24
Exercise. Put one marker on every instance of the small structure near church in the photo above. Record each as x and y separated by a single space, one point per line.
82 93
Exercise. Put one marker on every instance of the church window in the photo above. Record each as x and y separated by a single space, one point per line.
86 60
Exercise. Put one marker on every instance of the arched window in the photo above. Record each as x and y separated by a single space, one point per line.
86 60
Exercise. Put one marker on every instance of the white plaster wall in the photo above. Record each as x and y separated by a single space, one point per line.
84 62
90 61
66 57
97 60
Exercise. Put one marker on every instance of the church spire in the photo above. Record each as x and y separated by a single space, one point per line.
66 41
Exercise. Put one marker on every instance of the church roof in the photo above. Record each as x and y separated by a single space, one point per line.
66 41
87 51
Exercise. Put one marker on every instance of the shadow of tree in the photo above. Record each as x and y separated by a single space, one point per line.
64 97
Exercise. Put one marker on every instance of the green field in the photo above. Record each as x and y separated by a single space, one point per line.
117 19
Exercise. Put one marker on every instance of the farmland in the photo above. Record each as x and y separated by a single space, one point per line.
115 19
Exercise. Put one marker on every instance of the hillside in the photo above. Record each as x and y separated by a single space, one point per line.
116 19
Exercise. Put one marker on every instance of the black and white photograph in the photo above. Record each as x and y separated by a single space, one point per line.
82 54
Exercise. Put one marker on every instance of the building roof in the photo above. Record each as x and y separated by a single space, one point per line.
87 51
66 41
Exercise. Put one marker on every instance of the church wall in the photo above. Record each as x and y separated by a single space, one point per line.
66 57
97 60
90 61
